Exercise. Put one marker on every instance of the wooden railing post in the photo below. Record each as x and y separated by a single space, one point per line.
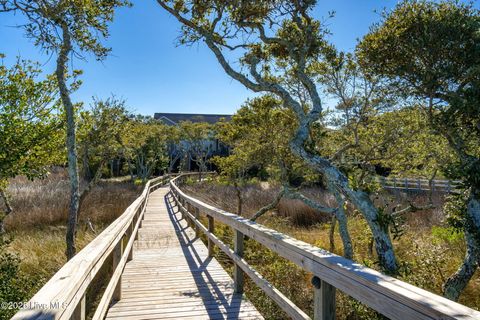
142 208
186 205
80 310
237 272
189 209
117 256
324 300
196 214
182 203
130 234
137 215
211 229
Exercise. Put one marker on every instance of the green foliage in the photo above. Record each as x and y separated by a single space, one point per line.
138 182
456 210
15 286
196 142
448 235
30 122
86 22
144 143
99 133
431 51
259 135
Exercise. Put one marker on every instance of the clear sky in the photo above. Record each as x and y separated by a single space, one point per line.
154 75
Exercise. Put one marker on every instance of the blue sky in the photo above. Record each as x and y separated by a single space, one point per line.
154 75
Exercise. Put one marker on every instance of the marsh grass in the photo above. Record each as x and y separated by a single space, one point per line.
37 224
428 250
45 202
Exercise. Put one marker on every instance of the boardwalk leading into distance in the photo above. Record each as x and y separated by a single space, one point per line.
171 275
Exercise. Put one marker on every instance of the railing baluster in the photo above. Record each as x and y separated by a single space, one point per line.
80 310
130 234
117 256
211 229
237 272
196 214
324 300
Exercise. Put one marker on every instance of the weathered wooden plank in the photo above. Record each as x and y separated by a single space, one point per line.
175 278
323 300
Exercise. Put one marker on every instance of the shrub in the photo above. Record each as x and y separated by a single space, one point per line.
448 235
15 286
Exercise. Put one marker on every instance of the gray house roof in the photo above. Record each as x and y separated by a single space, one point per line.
175 118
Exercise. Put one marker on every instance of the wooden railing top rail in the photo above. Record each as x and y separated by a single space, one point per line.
401 179
61 296
389 296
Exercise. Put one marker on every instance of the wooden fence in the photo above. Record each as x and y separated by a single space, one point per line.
64 295
389 296
416 184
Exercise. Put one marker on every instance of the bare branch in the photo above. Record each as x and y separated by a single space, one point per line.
269 206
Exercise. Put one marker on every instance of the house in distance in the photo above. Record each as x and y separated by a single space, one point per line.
178 153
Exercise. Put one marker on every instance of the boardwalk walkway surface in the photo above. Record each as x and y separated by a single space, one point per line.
171 275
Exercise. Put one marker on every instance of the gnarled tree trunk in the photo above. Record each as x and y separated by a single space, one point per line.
341 217
8 210
61 71
457 282
359 199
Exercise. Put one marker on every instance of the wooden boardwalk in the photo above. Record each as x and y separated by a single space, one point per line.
161 270
171 275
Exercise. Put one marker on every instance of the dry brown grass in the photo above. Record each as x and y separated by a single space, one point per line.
255 197
45 202
37 224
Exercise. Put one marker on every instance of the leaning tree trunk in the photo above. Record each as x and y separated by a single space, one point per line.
61 71
331 234
359 199
457 282
341 217
8 210
238 192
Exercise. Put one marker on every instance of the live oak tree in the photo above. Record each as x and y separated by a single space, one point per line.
144 144
99 138
261 44
374 133
196 140
66 28
431 52
258 136
259 133
30 128
175 152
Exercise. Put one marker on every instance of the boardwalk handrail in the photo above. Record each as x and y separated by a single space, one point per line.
389 296
64 295
417 184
